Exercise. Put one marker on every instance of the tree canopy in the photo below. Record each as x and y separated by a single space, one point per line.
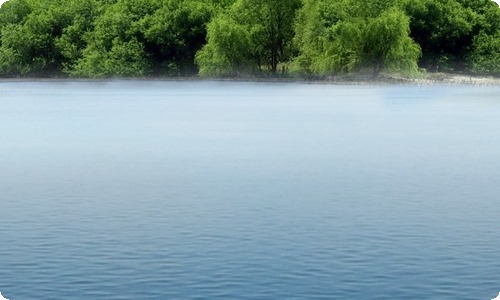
251 35
350 35
448 32
136 38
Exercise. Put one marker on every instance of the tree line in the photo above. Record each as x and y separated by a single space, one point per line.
137 38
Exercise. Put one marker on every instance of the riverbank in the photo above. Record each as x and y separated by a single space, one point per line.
448 78
349 79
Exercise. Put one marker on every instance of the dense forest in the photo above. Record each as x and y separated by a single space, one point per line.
145 38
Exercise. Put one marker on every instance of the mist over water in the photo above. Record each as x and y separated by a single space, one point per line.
218 190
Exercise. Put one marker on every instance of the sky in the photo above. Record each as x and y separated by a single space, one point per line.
2 1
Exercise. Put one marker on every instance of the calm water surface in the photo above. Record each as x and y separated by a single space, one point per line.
206 190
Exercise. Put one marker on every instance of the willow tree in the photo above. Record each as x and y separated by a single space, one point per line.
349 35
252 36
229 50
387 45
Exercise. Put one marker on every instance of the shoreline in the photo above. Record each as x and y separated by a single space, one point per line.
453 79
384 79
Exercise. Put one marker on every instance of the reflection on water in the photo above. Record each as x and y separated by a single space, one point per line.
208 190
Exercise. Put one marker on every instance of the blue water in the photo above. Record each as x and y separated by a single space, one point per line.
213 190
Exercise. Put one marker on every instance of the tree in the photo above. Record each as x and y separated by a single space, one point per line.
444 29
349 35
114 47
14 12
174 33
130 38
35 34
145 37
252 36
228 51
485 54
387 44
71 42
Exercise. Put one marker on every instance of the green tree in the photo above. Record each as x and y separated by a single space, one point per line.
349 35
71 42
123 59
484 57
14 12
129 38
114 47
27 45
252 36
162 35
444 29
33 35
228 51
386 43
174 33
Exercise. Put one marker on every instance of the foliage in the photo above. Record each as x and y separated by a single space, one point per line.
228 50
113 48
163 37
14 12
36 33
174 33
252 36
485 55
130 38
446 29
349 35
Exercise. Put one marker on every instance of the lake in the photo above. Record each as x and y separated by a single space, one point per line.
232 190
